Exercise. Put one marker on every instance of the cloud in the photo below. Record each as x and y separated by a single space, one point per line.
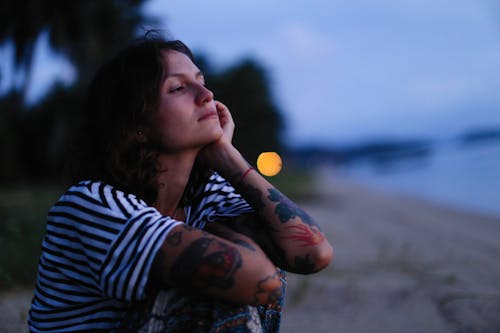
303 42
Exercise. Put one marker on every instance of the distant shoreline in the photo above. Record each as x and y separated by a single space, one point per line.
413 195
466 179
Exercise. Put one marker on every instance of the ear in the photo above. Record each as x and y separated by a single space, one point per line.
140 135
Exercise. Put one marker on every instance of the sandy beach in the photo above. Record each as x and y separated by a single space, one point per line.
401 265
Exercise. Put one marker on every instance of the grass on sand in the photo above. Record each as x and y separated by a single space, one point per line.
23 213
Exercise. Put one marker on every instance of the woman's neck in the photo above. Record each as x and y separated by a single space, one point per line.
172 180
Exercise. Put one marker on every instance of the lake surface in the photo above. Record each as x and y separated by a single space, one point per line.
465 177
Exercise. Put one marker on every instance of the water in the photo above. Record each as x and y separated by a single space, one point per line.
467 178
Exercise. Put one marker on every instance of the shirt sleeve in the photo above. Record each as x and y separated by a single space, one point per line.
217 200
127 264
119 235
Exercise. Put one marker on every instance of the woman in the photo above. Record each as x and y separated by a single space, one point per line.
150 221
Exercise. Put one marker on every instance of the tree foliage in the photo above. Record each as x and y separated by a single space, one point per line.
84 31
34 139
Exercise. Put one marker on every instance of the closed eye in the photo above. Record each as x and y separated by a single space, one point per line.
176 89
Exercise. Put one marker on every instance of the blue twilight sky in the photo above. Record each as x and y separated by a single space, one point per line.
344 70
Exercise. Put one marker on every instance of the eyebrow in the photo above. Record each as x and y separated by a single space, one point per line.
198 75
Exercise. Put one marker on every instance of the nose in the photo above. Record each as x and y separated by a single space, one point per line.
204 95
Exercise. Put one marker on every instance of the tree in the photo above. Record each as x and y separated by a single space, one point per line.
85 31
88 32
245 89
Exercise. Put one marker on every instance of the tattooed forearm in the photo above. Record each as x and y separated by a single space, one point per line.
264 294
243 243
252 195
206 262
287 209
223 230
304 235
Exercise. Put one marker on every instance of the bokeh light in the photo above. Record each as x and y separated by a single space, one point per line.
269 163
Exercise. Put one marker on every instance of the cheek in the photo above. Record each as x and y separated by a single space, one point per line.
161 128
166 118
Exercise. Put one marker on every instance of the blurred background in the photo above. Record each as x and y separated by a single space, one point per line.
400 95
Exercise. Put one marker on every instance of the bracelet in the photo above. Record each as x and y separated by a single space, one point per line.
246 173
237 178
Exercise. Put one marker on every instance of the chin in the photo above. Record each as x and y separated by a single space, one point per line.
217 134
209 138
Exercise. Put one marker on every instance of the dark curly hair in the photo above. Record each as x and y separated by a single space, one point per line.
119 98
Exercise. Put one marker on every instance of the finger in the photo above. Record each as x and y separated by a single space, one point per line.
222 109
220 106
223 112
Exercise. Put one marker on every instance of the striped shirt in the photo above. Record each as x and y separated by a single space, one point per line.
99 247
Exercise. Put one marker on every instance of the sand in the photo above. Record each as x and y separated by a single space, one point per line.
401 265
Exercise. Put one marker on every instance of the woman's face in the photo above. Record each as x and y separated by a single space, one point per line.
186 117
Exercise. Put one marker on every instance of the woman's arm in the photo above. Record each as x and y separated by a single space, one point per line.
298 239
234 269
298 243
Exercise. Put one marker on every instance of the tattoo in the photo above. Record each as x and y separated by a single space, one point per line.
304 265
206 262
305 235
253 196
260 232
272 250
244 244
278 256
225 232
287 209
264 297
174 239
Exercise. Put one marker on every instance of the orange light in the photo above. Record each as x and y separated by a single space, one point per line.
269 163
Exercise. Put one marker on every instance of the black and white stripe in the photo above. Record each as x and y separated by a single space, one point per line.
98 249
217 199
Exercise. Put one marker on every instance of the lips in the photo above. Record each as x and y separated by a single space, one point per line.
208 115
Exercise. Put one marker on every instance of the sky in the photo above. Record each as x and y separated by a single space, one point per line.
348 70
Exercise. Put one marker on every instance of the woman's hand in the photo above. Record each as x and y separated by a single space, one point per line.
300 245
226 123
218 154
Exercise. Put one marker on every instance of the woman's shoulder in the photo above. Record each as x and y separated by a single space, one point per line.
93 187
99 192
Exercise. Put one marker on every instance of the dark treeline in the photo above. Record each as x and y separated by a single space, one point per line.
35 139
373 151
